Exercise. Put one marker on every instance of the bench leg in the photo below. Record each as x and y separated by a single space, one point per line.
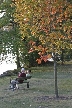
28 85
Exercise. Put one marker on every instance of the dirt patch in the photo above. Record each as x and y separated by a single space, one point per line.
46 98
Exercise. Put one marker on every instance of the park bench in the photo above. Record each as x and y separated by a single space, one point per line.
13 85
24 80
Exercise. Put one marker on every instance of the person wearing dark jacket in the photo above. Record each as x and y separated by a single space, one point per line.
21 74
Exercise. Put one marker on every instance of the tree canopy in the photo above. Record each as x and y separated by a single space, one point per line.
49 20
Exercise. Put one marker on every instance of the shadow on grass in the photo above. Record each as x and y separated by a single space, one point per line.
46 98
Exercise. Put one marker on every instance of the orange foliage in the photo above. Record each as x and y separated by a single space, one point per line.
31 50
39 61
43 58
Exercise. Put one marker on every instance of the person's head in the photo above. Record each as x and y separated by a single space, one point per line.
27 71
22 70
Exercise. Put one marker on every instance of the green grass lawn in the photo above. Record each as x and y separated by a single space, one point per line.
41 92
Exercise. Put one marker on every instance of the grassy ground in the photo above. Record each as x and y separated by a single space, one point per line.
41 92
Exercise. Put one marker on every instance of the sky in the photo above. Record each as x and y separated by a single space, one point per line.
1 14
7 66
7 62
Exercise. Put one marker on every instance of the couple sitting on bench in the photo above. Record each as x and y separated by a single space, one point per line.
21 77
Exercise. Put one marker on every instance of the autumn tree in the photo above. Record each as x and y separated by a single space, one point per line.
48 20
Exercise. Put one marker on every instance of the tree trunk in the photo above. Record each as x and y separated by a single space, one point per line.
55 77
18 62
17 58
62 57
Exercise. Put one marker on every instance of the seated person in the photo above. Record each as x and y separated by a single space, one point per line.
21 74
27 73
13 84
